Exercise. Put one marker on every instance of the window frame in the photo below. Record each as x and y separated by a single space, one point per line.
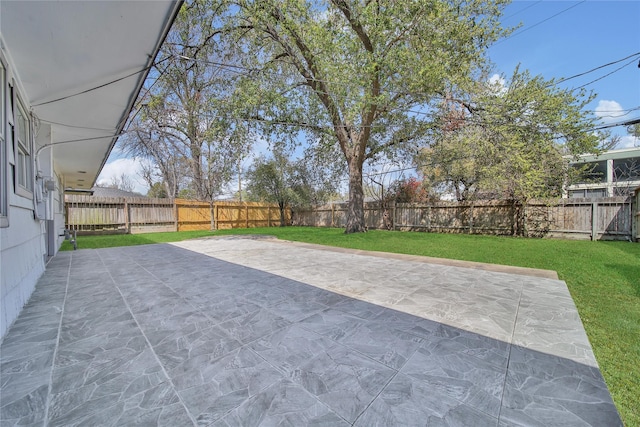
4 161
23 149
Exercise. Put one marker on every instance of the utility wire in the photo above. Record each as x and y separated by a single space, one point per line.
98 87
517 33
607 75
522 10
596 68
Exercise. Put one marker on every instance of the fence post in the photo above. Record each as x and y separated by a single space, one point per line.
393 218
175 213
269 216
127 226
333 215
594 225
247 216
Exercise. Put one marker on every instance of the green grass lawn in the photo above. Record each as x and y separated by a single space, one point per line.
603 278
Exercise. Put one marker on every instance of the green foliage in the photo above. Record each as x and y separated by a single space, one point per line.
408 191
183 122
508 142
117 240
158 190
292 183
348 73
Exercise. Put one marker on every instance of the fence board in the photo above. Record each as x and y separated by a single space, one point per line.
567 218
145 215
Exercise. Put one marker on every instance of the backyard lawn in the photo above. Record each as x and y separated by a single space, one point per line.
603 278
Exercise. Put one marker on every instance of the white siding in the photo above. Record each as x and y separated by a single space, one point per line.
23 243
22 251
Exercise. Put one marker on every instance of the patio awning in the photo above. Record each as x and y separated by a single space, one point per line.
82 65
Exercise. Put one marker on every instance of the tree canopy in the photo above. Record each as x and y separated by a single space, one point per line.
350 72
183 123
508 141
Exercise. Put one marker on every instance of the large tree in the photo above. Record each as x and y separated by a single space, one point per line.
353 73
183 122
509 141
291 183
272 180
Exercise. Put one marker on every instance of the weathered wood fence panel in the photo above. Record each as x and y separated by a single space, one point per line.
101 215
596 219
614 218
636 216
149 215
566 218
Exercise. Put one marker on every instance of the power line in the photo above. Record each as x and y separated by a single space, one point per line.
62 98
517 33
522 10
597 68
608 74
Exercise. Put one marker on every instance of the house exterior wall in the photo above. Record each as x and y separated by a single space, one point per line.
24 247
613 181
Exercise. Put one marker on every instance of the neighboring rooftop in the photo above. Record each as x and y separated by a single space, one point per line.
113 192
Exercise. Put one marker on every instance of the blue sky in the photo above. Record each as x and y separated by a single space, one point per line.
581 36
557 39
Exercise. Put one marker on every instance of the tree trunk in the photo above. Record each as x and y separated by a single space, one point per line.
281 206
517 211
212 215
355 210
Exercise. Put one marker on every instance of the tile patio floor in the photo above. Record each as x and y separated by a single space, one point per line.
244 332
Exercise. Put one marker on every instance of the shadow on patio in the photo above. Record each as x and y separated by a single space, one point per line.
170 335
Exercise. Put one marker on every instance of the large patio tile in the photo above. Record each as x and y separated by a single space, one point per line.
344 380
543 389
283 404
176 346
290 347
359 308
251 326
332 323
24 398
84 390
491 317
556 330
210 387
446 367
382 343
409 402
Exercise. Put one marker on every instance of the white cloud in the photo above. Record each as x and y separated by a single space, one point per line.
130 167
610 111
498 83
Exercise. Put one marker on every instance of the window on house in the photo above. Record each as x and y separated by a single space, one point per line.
4 186
588 193
626 169
24 174
591 172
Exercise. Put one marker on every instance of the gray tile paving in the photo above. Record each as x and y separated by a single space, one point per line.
243 332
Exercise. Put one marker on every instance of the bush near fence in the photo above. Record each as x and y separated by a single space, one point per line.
564 218
107 215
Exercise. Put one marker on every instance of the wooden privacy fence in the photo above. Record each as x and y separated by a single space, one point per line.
596 219
98 215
